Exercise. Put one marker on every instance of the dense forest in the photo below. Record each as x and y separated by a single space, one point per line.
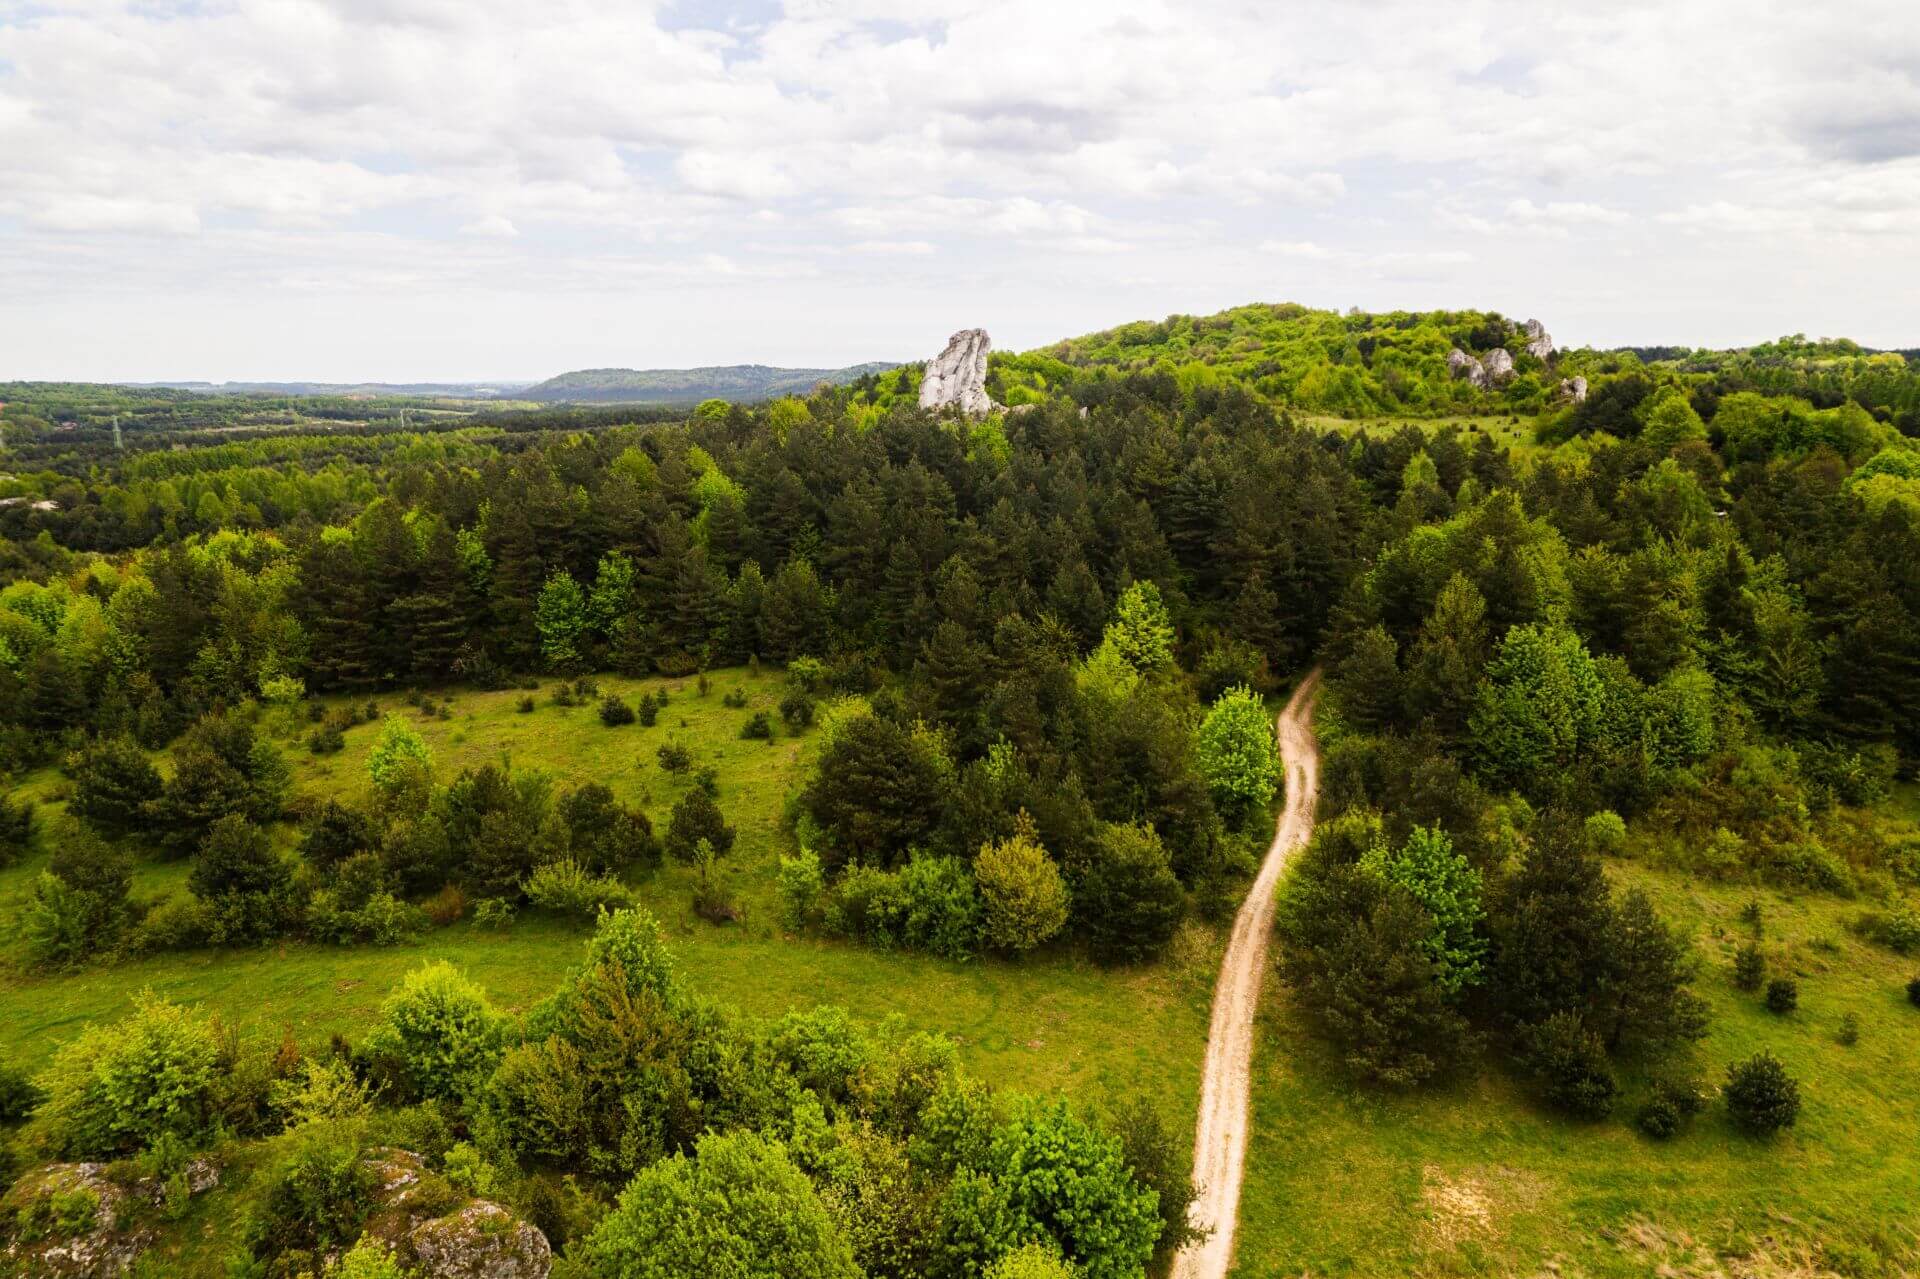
1033 655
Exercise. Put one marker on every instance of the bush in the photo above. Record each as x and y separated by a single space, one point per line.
943 907
1783 995
649 710
114 786
802 886
79 907
796 708
568 888
1761 1097
1913 992
697 817
1897 930
248 886
336 833
1848 1033
1606 833
734 699
173 923
326 740
758 728
400 744
674 757
1236 752
806 674
1749 967
319 1191
1023 898
525 705
118 1089
446 906
1658 1119
19 1095
16 829
614 711
1570 1064
495 914
438 1034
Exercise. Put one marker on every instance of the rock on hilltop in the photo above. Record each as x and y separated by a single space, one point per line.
958 375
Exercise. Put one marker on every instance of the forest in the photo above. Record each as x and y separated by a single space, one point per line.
1617 840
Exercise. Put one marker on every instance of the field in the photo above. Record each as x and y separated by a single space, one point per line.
1477 1180
1049 1022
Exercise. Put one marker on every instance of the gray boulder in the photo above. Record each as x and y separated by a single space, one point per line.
1498 366
1539 341
480 1241
1460 364
1573 389
957 377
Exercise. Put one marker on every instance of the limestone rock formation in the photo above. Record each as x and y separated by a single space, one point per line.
1539 341
72 1221
1498 366
480 1241
958 375
1573 389
1460 364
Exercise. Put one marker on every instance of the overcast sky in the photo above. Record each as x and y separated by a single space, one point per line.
462 189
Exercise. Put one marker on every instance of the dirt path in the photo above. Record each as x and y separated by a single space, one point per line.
1220 1142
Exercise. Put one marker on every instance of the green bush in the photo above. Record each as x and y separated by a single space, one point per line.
319 1191
1749 967
19 1095
1658 1119
1762 1098
1024 900
614 711
438 1034
1606 832
247 884
802 885
943 907
1913 992
117 1089
1127 902
1897 930
758 728
1570 1064
797 708
568 888
697 817
78 908
674 757
495 914
16 829
1783 995
173 923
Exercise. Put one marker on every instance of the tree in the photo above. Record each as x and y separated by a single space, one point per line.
1647 1003
1368 676
1443 670
79 906
738 1207
874 794
1127 901
561 616
248 884
115 1090
1570 1064
114 784
1058 1176
696 817
1762 1098
438 1035
400 747
219 770
1428 869
1022 895
1237 754
1141 631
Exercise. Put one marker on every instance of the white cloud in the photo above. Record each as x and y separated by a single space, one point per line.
1076 163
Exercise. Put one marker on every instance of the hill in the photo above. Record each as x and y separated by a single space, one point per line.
740 382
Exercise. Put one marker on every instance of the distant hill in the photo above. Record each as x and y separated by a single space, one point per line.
449 390
739 382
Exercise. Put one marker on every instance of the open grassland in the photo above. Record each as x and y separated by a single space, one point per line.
1051 1021
1478 1180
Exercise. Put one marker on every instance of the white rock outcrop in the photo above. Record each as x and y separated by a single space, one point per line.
1539 341
1498 365
1573 389
958 375
1460 364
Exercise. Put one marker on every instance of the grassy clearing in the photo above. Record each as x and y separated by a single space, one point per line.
1048 1022
1477 1180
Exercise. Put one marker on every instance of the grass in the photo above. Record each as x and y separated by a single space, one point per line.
1048 1022
1476 1179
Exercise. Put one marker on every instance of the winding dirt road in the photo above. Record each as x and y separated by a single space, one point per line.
1220 1141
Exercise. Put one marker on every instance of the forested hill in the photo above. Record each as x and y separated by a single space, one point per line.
736 382
1395 364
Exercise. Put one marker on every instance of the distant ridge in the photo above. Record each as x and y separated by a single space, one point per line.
742 382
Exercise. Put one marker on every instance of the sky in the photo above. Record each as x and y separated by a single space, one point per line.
492 189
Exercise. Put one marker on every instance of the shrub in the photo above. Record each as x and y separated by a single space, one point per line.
19 1095
1237 754
802 886
326 740
117 1089
173 923
438 1034
697 817
525 705
1783 995
1848 1033
943 906
1570 1064
399 743
114 786
1023 898
614 711
1913 992
319 1191
336 833
649 710
1749 967
16 829
248 886
1897 930
495 914
796 708
734 699
674 757
79 904
1658 1119
568 888
369 1258
1762 1098
757 728
1606 832
446 906
806 674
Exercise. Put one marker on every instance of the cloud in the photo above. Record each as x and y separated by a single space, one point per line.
1073 161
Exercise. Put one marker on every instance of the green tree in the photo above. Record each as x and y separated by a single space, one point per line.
400 746
114 785
696 817
247 883
1762 1098
1127 902
561 616
1141 629
1428 869
1237 754
875 793
438 1035
1063 1177
738 1208
114 1090
1022 895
